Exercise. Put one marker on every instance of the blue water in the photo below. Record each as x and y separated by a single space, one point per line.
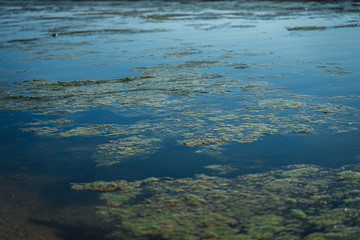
226 46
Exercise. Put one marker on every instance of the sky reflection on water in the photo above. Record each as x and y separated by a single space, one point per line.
130 90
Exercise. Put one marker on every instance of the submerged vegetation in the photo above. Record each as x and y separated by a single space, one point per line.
294 202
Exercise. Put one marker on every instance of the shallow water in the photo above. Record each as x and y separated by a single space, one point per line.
128 90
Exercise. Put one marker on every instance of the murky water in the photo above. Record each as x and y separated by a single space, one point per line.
262 97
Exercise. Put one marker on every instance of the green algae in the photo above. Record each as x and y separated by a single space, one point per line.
43 131
347 25
107 186
350 176
291 203
297 213
281 104
107 31
336 72
165 16
314 28
301 172
353 200
201 141
81 131
56 121
205 207
259 109
307 28
119 150
195 98
335 216
220 169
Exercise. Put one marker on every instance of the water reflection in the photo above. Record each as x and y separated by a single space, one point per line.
129 90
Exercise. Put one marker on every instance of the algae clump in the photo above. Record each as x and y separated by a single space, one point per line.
267 205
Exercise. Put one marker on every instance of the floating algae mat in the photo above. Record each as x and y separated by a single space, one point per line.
147 88
230 110
295 202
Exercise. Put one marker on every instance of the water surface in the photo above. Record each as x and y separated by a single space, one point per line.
129 90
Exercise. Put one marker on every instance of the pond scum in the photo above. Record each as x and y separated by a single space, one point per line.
295 202
184 97
228 111
186 100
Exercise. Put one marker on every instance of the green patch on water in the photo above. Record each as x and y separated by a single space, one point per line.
203 111
204 75
269 205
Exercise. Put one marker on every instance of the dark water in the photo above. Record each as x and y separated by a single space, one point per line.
110 90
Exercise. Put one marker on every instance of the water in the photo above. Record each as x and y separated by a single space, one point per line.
128 90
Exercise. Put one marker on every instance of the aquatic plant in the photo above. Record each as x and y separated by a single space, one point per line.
307 28
252 110
220 169
194 91
116 151
189 90
279 204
